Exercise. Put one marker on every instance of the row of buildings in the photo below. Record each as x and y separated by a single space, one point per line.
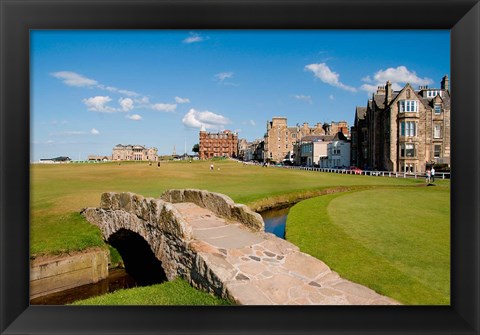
401 131
297 145
406 130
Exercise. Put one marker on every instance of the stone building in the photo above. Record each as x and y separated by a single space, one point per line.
404 130
221 144
254 151
134 153
280 138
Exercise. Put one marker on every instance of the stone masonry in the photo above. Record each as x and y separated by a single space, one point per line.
221 248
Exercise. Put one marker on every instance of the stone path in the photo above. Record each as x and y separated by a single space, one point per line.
262 269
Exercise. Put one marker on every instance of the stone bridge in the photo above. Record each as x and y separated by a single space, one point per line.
220 247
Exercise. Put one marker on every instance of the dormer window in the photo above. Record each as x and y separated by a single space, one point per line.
433 93
408 106
438 109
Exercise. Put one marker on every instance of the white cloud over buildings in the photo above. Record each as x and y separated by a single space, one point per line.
210 120
326 75
398 77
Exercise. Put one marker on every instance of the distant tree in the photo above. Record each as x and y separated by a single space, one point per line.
196 148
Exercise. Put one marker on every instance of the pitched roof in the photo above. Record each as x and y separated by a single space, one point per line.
360 112
313 138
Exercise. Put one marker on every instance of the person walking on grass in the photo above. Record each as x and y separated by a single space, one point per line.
432 174
427 176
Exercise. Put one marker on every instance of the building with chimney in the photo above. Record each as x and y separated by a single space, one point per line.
221 144
280 139
406 130
134 153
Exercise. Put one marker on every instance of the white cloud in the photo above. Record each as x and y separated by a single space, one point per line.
94 131
128 93
323 72
126 104
194 38
398 77
74 79
252 123
68 133
306 98
99 104
197 119
164 107
331 97
223 75
143 101
179 100
134 117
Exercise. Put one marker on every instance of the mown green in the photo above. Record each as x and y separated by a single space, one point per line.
395 241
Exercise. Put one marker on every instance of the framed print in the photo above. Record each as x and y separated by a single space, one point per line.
26 29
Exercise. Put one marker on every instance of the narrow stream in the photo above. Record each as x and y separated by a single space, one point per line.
117 279
275 221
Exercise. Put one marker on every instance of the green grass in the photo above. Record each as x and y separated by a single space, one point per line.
396 241
176 292
370 235
59 191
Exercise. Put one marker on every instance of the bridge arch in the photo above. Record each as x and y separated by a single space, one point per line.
139 260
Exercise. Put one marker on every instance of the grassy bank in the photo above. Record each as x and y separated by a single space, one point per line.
396 241
176 292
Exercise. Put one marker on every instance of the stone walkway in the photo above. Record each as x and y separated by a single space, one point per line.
262 269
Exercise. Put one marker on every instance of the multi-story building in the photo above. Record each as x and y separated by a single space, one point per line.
404 130
279 139
221 144
134 153
338 153
254 151
242 148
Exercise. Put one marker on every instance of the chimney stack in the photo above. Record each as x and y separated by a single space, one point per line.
388 92
445 83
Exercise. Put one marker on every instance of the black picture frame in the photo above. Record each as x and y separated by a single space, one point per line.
18 17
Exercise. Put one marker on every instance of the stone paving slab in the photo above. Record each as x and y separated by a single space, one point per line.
259 268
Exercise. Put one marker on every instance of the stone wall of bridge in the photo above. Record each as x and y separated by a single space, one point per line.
165 230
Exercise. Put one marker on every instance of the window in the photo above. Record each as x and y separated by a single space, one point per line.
408 106
438 109
437 131
408 128
432 94
407 150
294 135
437 149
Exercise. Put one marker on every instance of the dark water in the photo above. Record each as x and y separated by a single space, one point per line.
275 221
117 279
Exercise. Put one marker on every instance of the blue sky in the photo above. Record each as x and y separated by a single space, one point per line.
92 90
